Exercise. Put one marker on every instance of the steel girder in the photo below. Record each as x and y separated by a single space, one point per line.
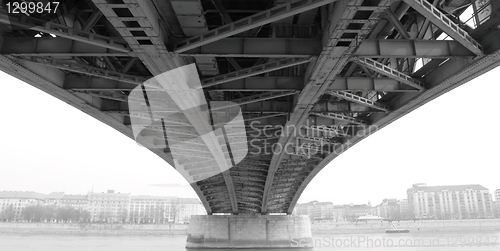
262 107
252 71
244 47
66 32
412 48
153 53
274 14
327 67
300 48
258 47
358 99
368 84
439 19
112 83
51 84
71 66
113 80
55 46
150 49
388 71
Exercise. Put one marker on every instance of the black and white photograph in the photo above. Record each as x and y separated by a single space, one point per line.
258 125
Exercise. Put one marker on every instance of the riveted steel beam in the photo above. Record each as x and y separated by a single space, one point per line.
253 99
92 21
55 47
397 24
151 49
88 70
258 47
252 84
381 84
407 48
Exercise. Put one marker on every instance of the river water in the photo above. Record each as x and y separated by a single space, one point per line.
380 242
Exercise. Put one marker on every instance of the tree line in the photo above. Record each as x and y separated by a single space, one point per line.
41 213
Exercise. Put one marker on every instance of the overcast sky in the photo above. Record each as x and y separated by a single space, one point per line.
48 146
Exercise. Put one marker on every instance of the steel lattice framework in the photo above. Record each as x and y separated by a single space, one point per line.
332 70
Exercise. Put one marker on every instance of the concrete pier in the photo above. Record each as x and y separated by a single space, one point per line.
249 231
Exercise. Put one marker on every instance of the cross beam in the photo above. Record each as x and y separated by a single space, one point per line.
243 47
305 47
252 71
439 19
87 70
254 98
388 71
258 47
55 46
359 100
268 16
337 116
408 48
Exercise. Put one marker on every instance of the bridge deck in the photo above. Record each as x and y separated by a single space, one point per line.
312 77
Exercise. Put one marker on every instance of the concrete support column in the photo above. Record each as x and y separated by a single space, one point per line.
249 231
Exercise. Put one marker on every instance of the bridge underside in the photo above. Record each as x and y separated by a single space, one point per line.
331 71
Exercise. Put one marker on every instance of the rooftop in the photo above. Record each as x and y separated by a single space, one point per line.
189 201
151 197
21 195
54 195
74 197
448 188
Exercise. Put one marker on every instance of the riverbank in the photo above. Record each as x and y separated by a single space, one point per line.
483 225
93 228
317 228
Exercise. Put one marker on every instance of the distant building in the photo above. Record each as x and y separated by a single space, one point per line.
105 207
394 209
339 213
353 212
315 210
306 209
450 202
186 207
76 201
404 209
152 209
389 209
109 207
12 203
53 199
496 206
327 211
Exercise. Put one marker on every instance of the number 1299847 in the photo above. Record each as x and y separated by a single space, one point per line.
35 7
